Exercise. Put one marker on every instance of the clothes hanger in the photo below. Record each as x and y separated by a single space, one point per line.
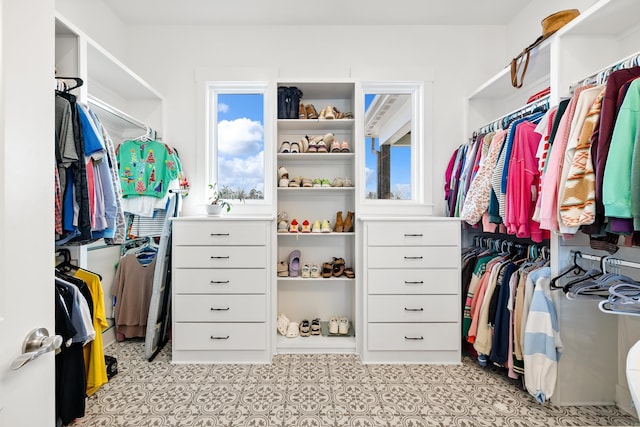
78 82
575 268
66 266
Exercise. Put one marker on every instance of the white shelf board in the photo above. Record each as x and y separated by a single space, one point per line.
315 235
499 86
315 124
104 69
316 189
605 18
316 344
316 279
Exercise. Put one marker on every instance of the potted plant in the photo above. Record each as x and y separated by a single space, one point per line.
216 204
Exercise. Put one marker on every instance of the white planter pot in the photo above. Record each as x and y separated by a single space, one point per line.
214 210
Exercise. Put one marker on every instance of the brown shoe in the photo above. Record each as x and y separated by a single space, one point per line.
338 227
347 226
302 112
311 111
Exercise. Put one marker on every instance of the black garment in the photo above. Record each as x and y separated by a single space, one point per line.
71 383
500 344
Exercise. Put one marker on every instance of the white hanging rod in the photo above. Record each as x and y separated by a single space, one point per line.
602 75
116 112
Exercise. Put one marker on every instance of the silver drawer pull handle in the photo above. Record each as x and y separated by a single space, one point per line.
413 257
220 257
219 338
413 338
219 234
413 235
419 282
219 309
413 309
219 282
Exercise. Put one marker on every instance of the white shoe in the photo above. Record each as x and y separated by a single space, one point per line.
343 325
292 330
333 326
283 323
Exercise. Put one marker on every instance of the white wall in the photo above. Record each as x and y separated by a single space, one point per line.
526 27
167 57
98 21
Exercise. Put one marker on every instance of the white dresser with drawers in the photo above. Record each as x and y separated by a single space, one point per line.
411 290
220 290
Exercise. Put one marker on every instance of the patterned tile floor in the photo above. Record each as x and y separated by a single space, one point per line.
321 391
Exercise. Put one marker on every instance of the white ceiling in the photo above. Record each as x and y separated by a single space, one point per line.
317 12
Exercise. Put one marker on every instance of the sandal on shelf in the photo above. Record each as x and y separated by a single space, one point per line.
349 273
295 182
294 263
329 114
321 146
285 147
306 271
327 270
313 144
338 182
283 222
307 182
335 147
295 147
315 271
311 111
346 182
292 330
334 327
283 174
344 147
316 329
304 144
283 269
305 328
328 138
283 322
338 267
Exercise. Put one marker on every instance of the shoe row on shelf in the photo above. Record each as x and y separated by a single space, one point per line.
337 325
341 225
294 268
315 144
290 106
300 181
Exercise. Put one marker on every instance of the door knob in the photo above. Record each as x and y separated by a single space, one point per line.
37 343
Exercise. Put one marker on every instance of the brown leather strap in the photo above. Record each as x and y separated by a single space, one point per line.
521 61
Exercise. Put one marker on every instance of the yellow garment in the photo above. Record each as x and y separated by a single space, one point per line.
94 364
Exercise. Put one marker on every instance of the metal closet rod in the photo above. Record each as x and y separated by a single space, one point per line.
525 109
601 76
116 112
607 259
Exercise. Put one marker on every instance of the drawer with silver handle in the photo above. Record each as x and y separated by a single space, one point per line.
412 308
219 336
413 336
219 280
413 257
220 308
413 233
220 257
219 232
413 281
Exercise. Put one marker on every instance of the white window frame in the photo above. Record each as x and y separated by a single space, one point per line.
210 157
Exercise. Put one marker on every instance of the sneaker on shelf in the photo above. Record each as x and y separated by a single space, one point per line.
343 325
334 327
293 227
314 271
326 226
317 227
306 227
325 182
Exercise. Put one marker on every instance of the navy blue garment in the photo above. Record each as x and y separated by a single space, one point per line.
500 343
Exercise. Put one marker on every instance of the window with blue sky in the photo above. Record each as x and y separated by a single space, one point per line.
240 148
400 168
